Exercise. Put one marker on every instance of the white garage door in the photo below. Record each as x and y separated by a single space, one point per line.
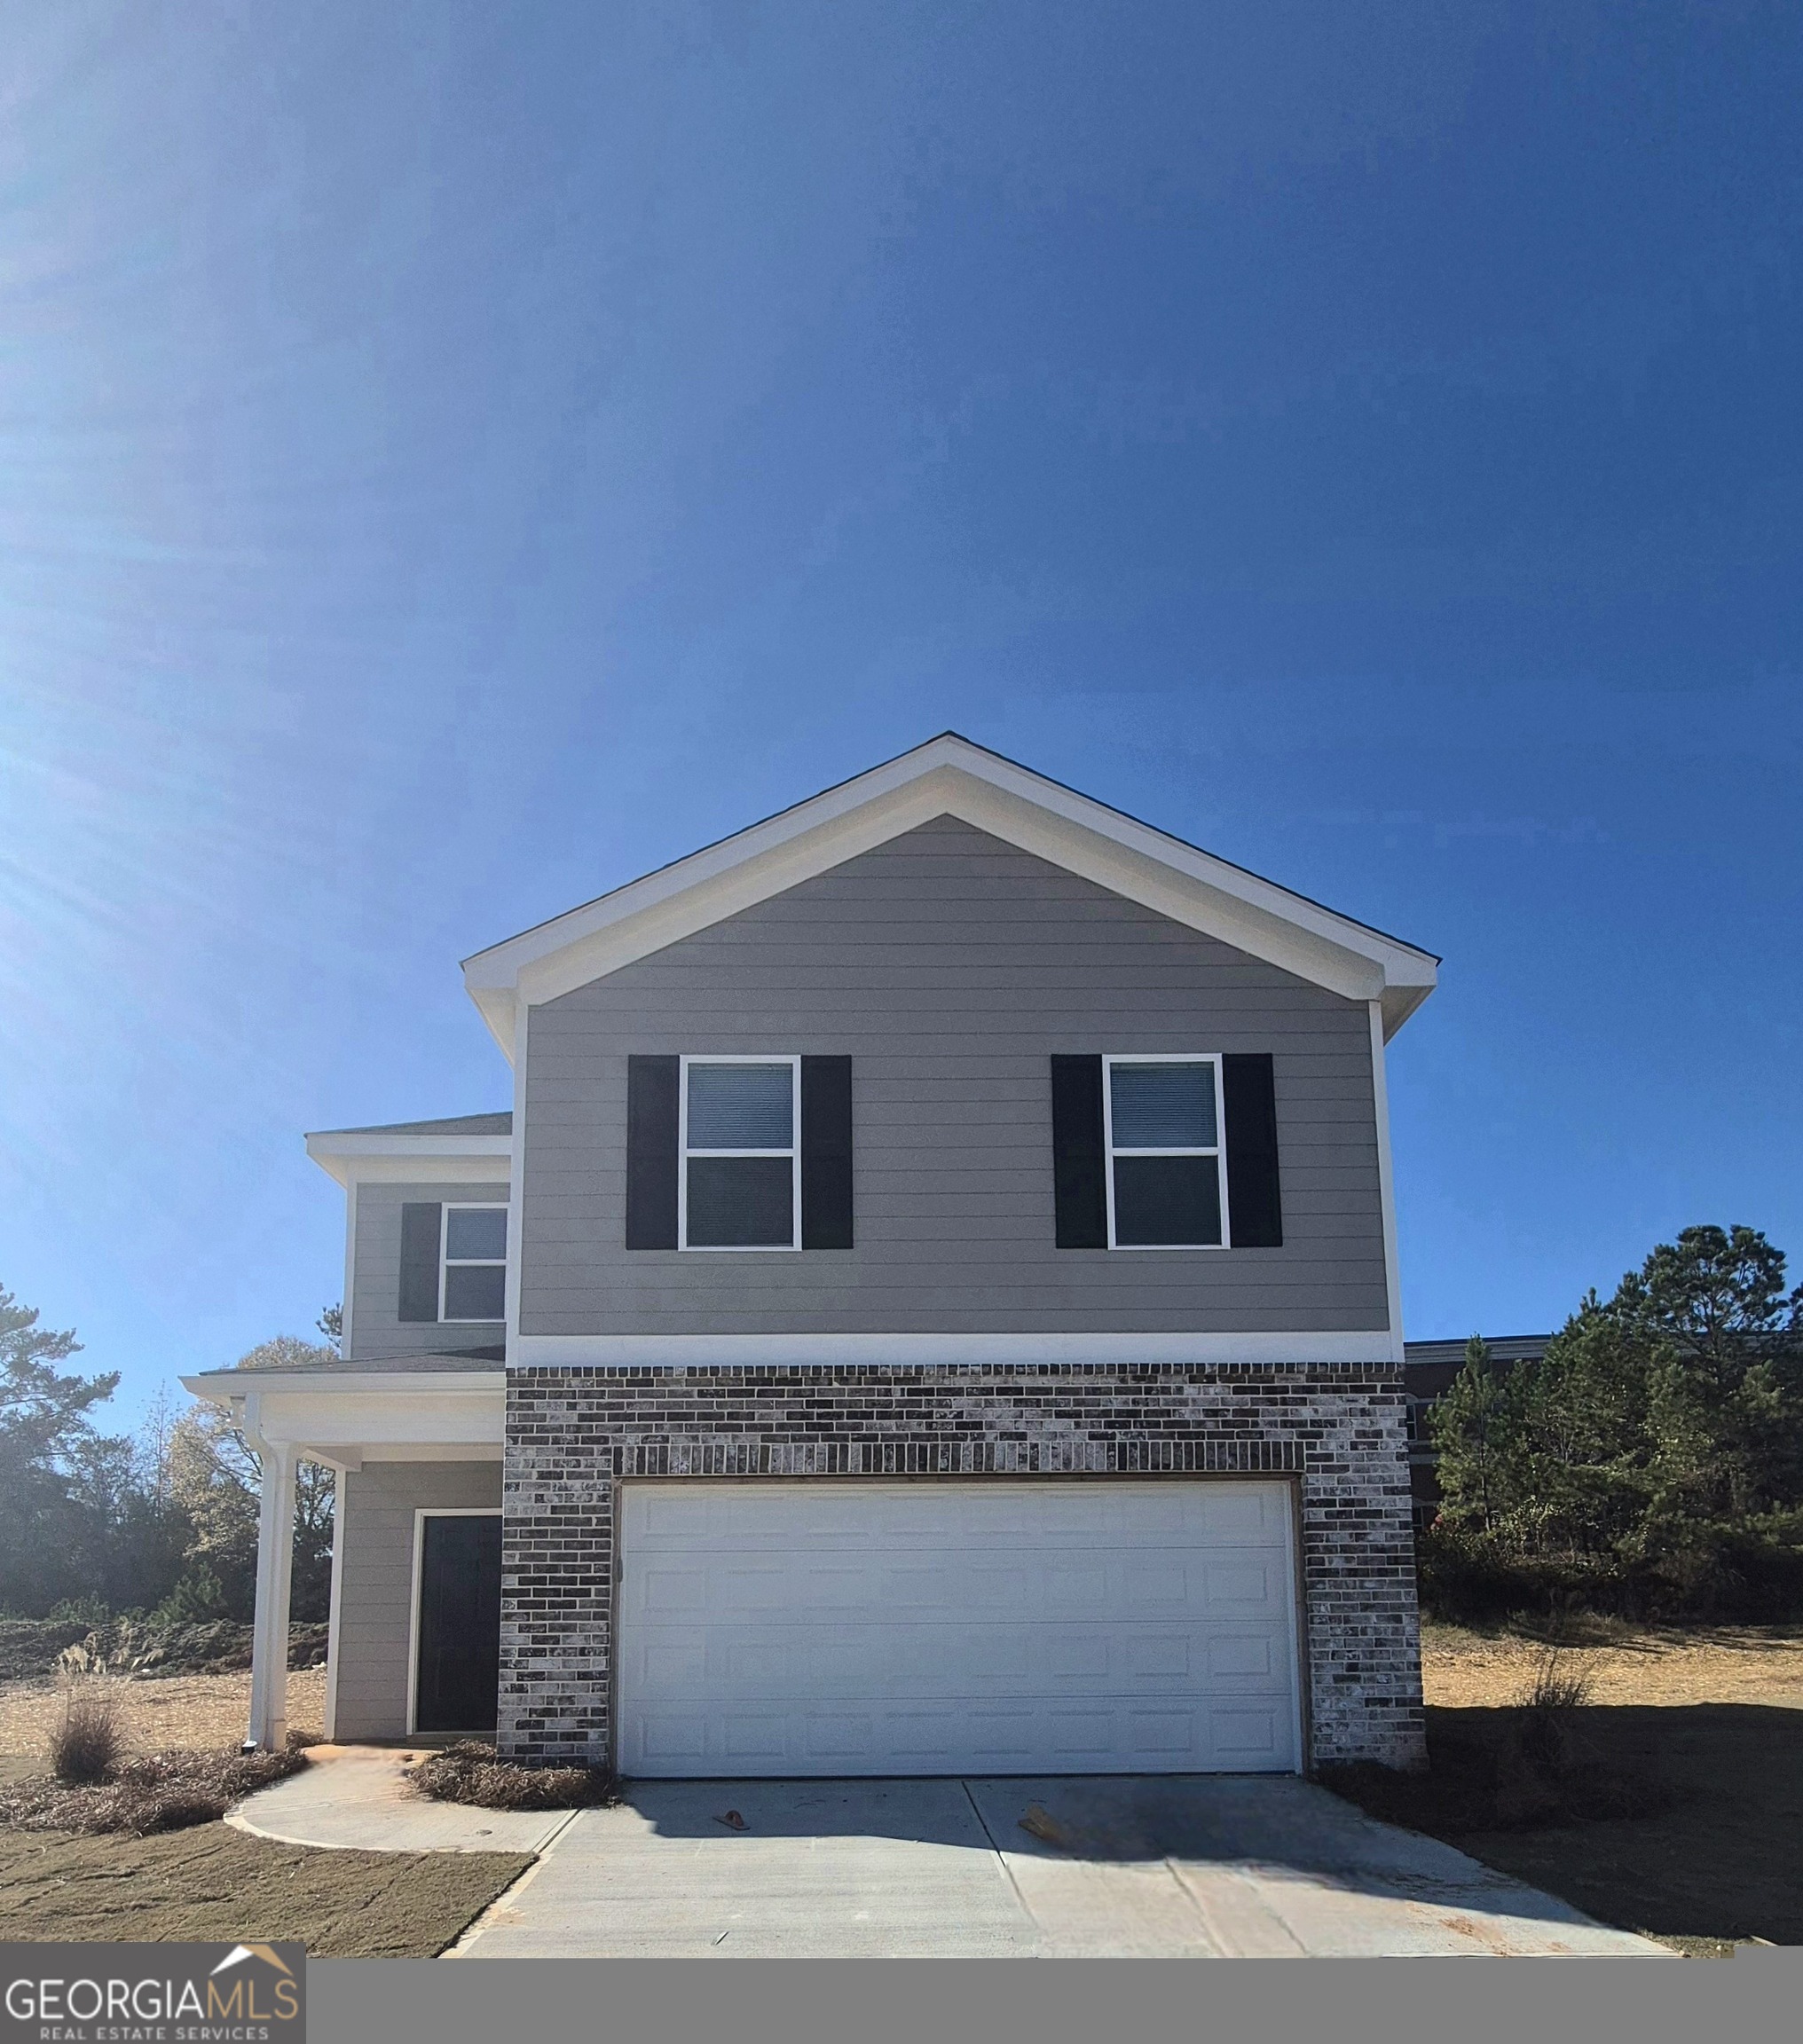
929 1628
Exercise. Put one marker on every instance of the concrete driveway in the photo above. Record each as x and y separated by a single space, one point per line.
1166 1866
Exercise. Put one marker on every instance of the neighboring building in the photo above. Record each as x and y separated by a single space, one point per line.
1428 1369
931 1308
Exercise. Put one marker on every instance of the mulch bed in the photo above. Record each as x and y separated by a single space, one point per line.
472 1771
160 1792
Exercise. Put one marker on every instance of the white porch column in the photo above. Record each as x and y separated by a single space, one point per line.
337 1604
275 1559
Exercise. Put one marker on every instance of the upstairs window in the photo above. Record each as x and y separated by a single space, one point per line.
740 1184
1162 1131
473 1264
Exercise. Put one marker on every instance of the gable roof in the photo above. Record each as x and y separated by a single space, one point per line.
950 777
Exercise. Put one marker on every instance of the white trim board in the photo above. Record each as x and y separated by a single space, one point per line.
448 1262
684 1155
334 1610
1386 1180
948 776
421 1513
1219 1150
350 1298
337 1416
446 1160
655 1351
221 1387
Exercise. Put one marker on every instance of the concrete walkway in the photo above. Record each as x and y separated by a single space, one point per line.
1166 1866
357 1795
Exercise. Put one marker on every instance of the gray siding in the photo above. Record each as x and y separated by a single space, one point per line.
376 1327
376 1584
950 966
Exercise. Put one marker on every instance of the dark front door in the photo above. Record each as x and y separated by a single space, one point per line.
459 1623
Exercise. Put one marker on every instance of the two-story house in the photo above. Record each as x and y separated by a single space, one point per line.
931 1308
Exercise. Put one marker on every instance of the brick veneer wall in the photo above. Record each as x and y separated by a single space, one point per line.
572 1433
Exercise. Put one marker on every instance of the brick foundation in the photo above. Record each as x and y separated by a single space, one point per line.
572 1433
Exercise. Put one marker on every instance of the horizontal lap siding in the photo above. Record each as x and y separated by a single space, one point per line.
376 1326
377 1585
950 967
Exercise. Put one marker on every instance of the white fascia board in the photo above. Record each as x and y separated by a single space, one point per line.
704 1351
948 777
426 1451
456 1158
365 1410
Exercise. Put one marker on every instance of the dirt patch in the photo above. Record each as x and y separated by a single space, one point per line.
1719 1864
215 1883
29 1646
197 1711
1503 1771
1709 1859
1723 1664
130 1646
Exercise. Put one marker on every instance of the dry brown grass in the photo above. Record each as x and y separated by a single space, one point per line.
194 1711
1723 1664
85 1740
216 1884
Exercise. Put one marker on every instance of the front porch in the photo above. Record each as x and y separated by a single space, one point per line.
408 1446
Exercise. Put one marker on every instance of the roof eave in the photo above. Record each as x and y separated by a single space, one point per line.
221 1387
949 775
338 1155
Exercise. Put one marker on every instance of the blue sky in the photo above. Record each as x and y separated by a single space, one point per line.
454 459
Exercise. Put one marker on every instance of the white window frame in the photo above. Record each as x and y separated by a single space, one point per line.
470 1262
421 1513
1219 1150
794 1152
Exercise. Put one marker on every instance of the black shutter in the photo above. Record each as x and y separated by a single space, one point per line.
826 1152
1254 1199
419 1229
1078 1162
652 1086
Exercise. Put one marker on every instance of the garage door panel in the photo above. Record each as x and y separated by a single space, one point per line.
1163 1734
1246 1656
749 1737
1075 1655
1159 1654
1245 1736
757 1666
719 1664
926 1627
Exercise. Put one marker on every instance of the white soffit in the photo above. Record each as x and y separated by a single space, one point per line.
375 1410
474 1159
948 776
